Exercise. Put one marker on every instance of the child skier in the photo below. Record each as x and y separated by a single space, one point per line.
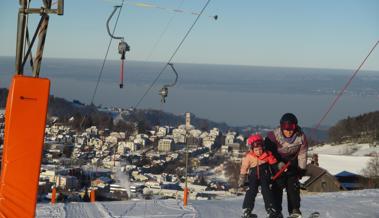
257 165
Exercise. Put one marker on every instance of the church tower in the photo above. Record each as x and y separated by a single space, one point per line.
188 120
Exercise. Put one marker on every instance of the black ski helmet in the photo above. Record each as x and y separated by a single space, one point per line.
288 118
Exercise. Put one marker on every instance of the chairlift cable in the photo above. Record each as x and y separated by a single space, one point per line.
173 55
162 34
154 6
106 54
314 134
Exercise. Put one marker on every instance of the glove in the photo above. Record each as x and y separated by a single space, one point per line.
242 180
301 172
280 165
276 167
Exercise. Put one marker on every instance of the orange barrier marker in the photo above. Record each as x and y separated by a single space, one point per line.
185 197
23 141
53 195
92 196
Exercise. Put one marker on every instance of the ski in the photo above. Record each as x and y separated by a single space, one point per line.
312 215
250 216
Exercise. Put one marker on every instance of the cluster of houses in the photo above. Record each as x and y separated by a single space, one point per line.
114 163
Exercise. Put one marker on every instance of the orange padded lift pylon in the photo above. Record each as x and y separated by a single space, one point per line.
25 120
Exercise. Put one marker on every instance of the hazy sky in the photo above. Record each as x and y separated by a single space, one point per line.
298 33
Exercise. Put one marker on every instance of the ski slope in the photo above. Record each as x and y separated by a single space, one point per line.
352 204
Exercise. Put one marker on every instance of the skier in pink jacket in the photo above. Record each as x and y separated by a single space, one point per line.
258 166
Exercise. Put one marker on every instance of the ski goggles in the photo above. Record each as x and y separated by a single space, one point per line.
288 126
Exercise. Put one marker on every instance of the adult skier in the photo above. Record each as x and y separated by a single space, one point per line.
289 145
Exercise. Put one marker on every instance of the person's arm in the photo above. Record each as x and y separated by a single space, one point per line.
271 159
302 157
271 146
243 172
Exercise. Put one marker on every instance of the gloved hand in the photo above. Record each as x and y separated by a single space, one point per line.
276 167
280 165
242 180
301 172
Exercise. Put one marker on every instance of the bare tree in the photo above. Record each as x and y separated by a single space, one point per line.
232 172
372 168
372 171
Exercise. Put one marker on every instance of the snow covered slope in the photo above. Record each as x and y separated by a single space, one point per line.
346 149
353 204
344 157
335 164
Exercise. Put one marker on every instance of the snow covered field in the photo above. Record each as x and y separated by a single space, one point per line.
353 204
344 157
346 149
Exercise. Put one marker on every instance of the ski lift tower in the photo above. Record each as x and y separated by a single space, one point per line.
25 119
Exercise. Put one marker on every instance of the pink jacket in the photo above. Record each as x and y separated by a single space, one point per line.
251 160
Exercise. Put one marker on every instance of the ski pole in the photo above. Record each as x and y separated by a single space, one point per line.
284 168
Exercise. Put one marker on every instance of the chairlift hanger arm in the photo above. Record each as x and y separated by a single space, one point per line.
109 19
163 92
176 75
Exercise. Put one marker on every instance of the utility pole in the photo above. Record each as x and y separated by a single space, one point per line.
185 198
188 123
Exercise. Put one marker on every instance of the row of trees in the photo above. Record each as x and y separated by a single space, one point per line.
364 128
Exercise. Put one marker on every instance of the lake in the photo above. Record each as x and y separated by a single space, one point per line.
237 95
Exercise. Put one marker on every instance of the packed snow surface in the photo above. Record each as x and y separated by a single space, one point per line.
352 204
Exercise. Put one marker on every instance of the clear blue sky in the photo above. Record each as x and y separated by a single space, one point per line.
298 33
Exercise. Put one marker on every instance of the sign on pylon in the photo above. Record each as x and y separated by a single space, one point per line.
185 197
92 196
53 195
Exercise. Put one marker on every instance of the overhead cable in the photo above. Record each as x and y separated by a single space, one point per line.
173 55
342 91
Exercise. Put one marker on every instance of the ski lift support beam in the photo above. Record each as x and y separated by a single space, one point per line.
24 10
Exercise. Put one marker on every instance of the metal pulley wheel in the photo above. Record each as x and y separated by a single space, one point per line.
122 48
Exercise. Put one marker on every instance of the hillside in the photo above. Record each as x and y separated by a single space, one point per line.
362 128
81 116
